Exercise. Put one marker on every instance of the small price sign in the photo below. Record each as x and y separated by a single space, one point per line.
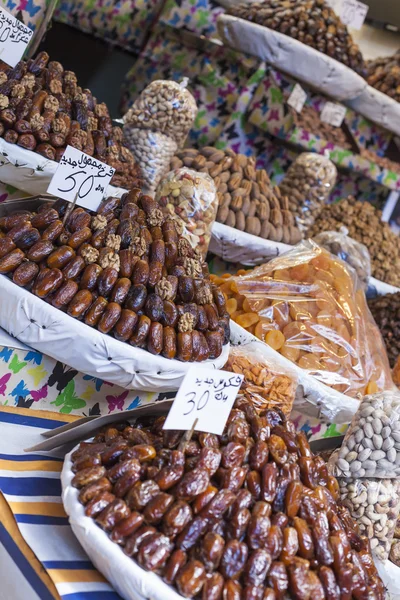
333 114
297 98
14 38
353 13
80 176
205 396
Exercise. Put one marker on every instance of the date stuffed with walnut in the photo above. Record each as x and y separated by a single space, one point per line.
192 516
111 271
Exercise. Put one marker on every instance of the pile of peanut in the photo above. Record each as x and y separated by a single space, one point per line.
247 200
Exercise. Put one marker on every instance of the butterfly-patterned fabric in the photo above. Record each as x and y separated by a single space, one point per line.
30 12
29 379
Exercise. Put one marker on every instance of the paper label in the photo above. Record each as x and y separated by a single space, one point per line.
353 13
297 98
207 395
79 173
14 38
333 114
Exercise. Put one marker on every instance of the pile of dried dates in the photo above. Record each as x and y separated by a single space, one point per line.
384 75
248 515
312 22
123 270
43 109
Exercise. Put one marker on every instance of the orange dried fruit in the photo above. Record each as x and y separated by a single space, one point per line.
247 319
275 339
231 306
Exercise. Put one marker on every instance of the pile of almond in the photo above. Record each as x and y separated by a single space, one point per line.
247 200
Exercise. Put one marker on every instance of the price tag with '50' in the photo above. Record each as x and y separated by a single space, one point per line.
205 396
14 38
82 176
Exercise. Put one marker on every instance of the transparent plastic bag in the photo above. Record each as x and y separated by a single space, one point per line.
371 447
164 106
191 199
350 251
264 385
375 506
308 183
306 305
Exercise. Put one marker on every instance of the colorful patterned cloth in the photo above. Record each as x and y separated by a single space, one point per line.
122 22
30 12
198 16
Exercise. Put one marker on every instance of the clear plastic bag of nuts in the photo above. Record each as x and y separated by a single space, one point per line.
157 126
190 198
308 183
375 505
371 447
350 251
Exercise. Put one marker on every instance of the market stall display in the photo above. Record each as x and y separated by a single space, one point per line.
310 120
157 126
307 184
43 109
312 22
190 198
307 306
242 515
123 271
386 312
384 75
365 225
247 200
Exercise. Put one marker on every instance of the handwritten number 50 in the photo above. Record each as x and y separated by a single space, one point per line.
87 184
201 402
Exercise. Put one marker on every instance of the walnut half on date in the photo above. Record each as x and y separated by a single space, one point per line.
127 290
293 540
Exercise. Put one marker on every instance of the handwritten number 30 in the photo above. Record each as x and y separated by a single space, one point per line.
201 403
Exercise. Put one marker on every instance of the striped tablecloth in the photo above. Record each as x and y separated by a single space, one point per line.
39 555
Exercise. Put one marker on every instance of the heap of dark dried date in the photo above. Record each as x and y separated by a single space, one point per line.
43 109
125 271
312 22
249 515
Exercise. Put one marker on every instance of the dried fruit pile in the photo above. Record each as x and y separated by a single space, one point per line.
384 75
364 224
43 109
124 271
247 200
386 312
249 515
312 22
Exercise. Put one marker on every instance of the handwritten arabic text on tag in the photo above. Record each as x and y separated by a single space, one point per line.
14 38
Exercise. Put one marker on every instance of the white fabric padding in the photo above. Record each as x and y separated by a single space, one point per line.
306 64
379 108
31 172
52 332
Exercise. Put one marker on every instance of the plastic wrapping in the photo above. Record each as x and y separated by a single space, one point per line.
375 505
157 125
264 385
308 183
306 305
191 199
350 251
371 447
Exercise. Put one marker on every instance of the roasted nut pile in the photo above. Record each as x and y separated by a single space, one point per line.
305 306
249 515
386 312
382 161
364 224
308 183
312 22
124 271
371 447
190 198
384 75
262 385
375 505
157 125
43 109
246 198
310 120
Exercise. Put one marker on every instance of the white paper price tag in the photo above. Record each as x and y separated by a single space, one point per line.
333 114
297 98
82 175
14 38
206 395
353 13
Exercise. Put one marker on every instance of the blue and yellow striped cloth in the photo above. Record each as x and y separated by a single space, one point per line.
41 547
